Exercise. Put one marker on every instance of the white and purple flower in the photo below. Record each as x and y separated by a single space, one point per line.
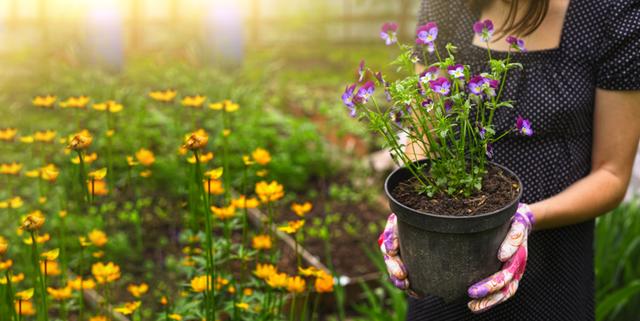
484 29
476 85
456 71
516 43
361 71
523 126
427 34
440 85
389 33
364 93
430 74
396 117
347 99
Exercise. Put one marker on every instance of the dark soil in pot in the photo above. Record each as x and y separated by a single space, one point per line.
498 190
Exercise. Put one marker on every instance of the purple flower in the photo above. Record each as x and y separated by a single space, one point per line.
427 104
491 86
364 93
489 150
389 33
429 74
361 71
481 131
396 117
517 44
523 126
475 85
384 83
347 99
456 71
484 29
427 34
440 85
448 104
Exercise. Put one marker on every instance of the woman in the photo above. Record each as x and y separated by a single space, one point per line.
580 87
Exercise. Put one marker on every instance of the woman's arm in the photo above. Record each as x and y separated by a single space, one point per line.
615 139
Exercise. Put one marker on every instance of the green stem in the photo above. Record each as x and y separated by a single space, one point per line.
208 231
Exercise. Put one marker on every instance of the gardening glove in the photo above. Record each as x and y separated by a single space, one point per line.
388 242
503 284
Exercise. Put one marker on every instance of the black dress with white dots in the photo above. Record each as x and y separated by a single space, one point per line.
599 48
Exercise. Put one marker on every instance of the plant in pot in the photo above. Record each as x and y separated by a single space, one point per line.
454 205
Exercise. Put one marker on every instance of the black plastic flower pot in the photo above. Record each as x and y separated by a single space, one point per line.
444 255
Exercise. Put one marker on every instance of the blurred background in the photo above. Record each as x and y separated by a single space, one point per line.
286 63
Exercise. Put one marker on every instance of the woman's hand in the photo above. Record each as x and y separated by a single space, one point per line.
503 284
388 242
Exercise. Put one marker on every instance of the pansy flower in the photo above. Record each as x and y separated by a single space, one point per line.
456 71
475 85
427 34
489 150
440 85
430 74
384 83
484 29
347 99
481 130
396 116
364 93
516 43
523 126
448 104
361 71
490 86
427 104
389 33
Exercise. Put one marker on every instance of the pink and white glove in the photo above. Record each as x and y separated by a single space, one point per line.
487 293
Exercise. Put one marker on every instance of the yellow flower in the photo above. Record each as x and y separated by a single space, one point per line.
146 173
50 268
25 295
261 156
79 282
14 279
27 139
174 316
269 192
224 213
196 140
247 160
10 169
243 306
33 221
25 308
83 241
193 101
98 254
49 173
8 134
263 271
277 280
215 173
105 273
88 159
16 202
227 105
98 318
261 242
109 132
138 290
213 186
164 300
324 283
292 227
110 105
131 161
60 294
97 187
46 136
6 264
128 308
226 132
242 202
296 284
80 140
310 271
62 213
45 101
145 157
262 173
34 173
75 102
51 255
301 209
164 96
204 158
98 174
247 292
199 283
98 238
4 246
40 239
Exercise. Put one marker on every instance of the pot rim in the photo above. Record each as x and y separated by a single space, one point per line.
516 199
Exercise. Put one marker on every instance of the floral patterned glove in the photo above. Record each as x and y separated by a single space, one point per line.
503 284
388 242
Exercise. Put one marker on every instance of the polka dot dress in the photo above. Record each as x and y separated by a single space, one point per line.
599 48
